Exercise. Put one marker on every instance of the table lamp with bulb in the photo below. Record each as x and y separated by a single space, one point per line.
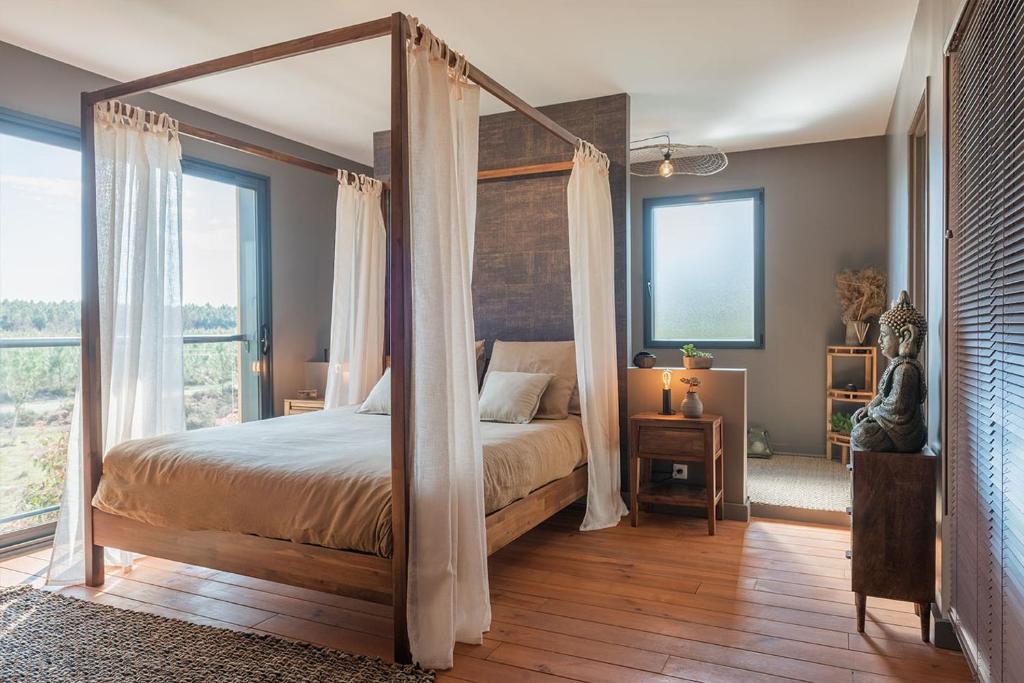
666 393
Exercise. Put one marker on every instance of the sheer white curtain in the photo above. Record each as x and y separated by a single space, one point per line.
357 312
591 263
138 212
448 594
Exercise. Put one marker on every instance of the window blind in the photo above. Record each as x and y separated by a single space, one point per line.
986 353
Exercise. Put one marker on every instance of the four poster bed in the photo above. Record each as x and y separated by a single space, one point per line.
378 572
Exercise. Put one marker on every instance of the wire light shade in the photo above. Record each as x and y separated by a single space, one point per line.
649 160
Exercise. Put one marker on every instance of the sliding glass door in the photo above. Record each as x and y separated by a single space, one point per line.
226 294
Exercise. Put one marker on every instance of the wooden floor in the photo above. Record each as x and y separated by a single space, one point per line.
759 602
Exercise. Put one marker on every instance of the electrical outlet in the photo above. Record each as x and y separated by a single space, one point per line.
679 471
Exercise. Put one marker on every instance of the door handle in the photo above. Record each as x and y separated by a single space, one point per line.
264 340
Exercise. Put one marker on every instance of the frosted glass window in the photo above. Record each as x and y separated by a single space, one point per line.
705 270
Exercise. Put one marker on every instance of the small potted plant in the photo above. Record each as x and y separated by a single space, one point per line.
694 359
691 406
841 423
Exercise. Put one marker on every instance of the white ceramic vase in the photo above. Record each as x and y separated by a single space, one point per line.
692 406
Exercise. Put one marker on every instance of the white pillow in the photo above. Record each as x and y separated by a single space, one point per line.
557 358
379 400
512 396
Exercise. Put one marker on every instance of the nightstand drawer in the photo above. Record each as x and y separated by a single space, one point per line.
657 441
294 406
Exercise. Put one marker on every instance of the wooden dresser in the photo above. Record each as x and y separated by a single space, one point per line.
676 439
893 531
294 406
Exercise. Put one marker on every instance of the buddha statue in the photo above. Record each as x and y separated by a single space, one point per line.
894 420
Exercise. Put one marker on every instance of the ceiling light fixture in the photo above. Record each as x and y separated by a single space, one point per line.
668 159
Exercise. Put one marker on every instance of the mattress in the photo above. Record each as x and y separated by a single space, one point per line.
322 478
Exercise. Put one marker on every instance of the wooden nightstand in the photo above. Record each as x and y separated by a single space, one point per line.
294 406
674 438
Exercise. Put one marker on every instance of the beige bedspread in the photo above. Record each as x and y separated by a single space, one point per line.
320 478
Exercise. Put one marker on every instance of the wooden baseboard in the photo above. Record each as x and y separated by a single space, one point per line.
795 514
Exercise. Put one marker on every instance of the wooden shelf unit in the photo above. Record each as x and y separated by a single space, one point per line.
868 355
675 492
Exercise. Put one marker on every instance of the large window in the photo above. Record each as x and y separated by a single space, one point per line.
704 270
40 292
226 314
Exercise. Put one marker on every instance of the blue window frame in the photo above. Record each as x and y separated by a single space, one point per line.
704 270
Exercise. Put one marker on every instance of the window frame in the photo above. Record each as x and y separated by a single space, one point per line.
260 185
652 203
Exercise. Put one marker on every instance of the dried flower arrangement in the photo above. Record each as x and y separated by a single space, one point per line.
861 293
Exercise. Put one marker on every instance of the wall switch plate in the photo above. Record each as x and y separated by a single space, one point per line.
679 471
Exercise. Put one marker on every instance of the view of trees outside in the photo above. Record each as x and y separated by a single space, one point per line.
39 298
37 394
209 260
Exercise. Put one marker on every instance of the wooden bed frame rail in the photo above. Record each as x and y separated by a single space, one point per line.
334 570
344 572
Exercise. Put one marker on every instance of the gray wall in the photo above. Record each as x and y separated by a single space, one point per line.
302 203
825 209
923 71
922 75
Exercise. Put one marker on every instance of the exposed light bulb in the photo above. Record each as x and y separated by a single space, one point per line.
666 379
666 169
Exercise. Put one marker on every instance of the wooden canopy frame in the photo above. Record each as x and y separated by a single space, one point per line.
350 573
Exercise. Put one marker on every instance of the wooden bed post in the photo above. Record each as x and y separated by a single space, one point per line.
400 295
92 393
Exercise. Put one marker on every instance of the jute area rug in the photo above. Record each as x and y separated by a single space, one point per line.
51 638
799 481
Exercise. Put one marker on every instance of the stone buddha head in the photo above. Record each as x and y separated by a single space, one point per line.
902 329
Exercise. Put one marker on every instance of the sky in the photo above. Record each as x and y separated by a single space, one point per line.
40 221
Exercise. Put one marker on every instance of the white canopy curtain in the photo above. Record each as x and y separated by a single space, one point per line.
360 275
448 597
138 212
591 264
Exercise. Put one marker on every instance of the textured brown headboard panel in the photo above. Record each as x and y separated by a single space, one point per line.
521 289
521 266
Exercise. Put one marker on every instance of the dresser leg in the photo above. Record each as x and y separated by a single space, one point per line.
925 611
862 604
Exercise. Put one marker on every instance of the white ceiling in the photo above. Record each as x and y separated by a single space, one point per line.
741 74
